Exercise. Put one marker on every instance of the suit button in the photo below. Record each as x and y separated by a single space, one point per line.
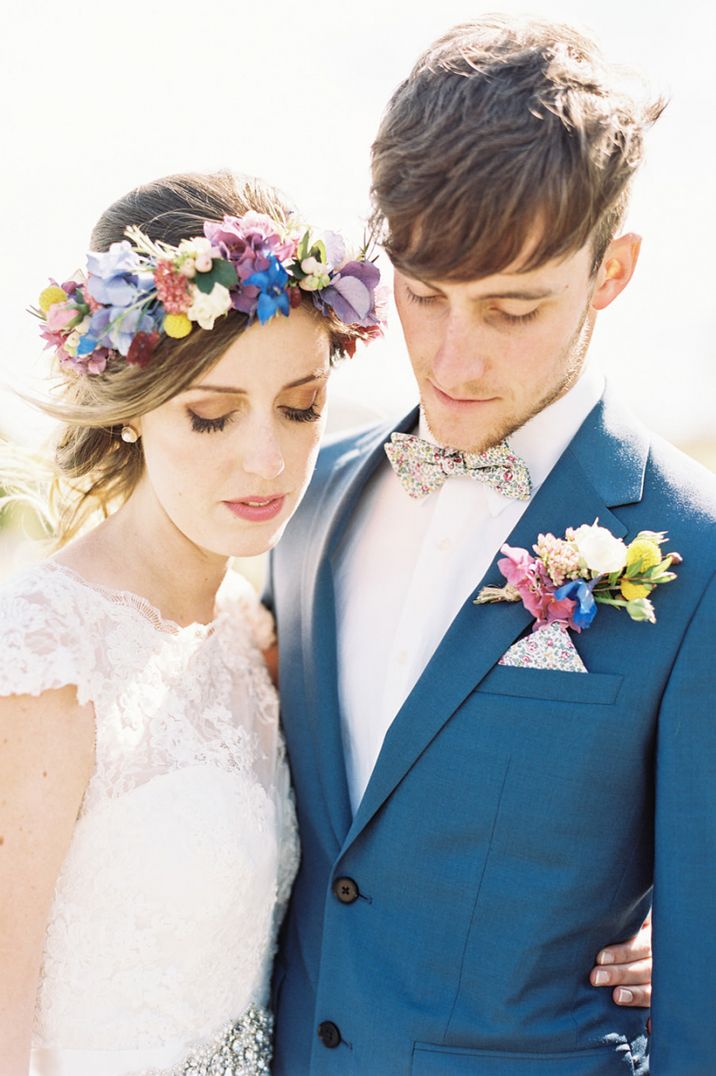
346 890
329 1034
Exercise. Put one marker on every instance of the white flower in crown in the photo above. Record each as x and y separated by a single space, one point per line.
317 274
201 253
71 343
598 548
205 309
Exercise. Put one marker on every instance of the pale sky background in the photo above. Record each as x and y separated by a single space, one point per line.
97 98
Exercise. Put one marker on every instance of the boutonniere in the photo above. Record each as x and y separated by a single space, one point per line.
567 578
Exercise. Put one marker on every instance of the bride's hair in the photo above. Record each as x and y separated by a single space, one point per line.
94 469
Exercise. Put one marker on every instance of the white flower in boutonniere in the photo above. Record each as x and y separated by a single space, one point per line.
568 577
599 549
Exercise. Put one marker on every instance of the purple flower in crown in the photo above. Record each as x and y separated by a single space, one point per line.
351 294
335 248
116 277
249 243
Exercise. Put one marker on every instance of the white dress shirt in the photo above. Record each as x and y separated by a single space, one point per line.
408 566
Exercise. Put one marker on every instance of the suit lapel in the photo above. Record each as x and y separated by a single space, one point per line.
340 499
480 634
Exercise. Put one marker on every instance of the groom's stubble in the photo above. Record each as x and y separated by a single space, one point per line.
569 365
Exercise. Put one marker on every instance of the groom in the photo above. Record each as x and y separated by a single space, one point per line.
473 831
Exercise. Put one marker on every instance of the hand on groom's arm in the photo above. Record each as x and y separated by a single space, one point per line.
626 969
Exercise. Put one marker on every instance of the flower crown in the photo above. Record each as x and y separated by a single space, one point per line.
140 291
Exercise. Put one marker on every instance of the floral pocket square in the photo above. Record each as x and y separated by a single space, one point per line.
547 648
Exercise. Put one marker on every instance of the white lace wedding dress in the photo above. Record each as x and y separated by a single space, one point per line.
162 930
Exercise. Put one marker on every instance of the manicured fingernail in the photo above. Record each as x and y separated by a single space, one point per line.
605 957
623 996
601 977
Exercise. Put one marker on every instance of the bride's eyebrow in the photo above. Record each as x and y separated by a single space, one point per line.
226 390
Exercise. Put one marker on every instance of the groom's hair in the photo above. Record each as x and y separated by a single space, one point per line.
511 142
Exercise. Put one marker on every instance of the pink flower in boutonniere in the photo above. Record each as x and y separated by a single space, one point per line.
528 576
568 577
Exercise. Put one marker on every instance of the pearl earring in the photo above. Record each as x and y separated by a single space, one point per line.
129 434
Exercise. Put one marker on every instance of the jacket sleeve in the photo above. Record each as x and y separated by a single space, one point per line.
684 998
267 598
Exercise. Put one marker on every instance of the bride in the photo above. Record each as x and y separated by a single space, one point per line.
147 833
149 837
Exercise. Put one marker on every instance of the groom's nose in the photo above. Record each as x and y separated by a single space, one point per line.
460 358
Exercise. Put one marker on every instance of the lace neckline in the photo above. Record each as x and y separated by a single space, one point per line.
139 604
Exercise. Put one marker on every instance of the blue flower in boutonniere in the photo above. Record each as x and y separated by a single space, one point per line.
567 578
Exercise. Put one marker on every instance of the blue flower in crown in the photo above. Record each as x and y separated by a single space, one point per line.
273 296
116 277
116 328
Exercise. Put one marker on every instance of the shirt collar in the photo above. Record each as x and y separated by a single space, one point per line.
543 439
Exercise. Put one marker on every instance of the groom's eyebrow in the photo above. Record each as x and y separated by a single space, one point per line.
530 294
228 390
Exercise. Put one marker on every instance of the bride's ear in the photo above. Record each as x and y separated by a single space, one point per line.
616 270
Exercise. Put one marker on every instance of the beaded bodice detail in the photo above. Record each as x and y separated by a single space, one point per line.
165 912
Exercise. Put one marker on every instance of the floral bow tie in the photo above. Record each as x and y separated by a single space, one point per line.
423 467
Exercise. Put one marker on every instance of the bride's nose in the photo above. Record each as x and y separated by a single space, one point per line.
262 453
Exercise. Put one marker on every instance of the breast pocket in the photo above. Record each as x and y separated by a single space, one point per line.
601 689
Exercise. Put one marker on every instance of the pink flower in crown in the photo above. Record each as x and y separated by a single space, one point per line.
247 242
94 363
54 339
172 288
530 579
60 315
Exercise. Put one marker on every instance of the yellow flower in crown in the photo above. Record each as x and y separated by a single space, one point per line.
51 295
177 326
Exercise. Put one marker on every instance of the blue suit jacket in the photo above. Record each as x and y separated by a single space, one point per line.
516 819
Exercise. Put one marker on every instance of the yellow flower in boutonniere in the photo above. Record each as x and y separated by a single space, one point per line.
642 554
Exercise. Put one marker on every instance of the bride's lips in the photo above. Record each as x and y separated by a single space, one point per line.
456 403
257 509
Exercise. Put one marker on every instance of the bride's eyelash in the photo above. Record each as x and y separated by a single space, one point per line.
216 425
208 425
306 414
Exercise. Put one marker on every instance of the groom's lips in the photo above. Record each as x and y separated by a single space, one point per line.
458 403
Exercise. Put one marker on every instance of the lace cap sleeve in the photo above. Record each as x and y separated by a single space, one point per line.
238 593
45 640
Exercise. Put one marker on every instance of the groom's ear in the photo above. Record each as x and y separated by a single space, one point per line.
616 270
